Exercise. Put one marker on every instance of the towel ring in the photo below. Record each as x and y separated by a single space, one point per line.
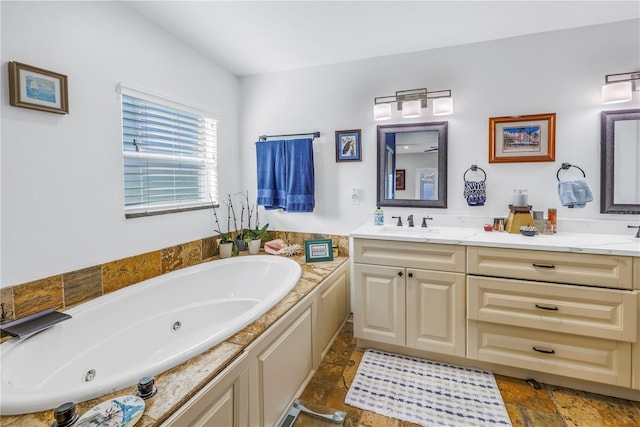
566 166
474 168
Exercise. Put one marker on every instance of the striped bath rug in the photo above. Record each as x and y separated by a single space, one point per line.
425 392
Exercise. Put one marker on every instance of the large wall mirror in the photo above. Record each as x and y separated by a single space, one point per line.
412 165
620 162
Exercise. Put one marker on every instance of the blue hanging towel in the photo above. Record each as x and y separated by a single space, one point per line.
286 175
270 156
300 175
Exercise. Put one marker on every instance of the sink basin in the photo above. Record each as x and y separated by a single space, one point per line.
407 230
427 234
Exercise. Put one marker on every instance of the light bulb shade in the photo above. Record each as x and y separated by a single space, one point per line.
382 111
411 109
442 106
613 93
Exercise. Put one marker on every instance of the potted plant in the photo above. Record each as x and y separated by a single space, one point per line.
241 236
226 244
254 238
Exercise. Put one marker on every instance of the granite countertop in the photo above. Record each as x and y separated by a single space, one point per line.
177 385
607 244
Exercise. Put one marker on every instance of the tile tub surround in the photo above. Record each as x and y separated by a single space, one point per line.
177 385
63 291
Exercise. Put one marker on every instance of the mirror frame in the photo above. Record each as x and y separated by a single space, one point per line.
441 128
607 162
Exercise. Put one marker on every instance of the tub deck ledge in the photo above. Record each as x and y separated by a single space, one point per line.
177 385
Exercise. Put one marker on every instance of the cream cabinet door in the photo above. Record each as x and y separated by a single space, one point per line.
283 367
333 307
222 402
379 303
436 311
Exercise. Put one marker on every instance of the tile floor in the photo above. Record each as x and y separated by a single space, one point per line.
551 406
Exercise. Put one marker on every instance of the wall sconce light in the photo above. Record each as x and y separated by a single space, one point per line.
619 87
411 102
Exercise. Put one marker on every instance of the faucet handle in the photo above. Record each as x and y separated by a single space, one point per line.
424 221
399 224
635 226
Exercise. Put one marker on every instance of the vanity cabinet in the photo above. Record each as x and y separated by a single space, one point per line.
549 323
410 294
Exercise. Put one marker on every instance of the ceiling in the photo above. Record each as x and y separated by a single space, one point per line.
255 37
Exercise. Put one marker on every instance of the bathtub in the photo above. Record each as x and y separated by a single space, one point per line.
143 330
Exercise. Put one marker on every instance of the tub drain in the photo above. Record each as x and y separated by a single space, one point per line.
177 325
91 374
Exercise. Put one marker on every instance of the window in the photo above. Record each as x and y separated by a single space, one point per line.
169 154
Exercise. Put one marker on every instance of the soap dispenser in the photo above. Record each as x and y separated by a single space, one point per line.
378 216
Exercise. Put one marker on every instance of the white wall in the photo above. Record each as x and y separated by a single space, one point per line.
62 197
559 72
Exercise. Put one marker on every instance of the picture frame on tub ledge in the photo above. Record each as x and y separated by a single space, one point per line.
318 250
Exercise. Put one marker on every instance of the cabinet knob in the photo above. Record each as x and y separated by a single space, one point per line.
410 274
399 273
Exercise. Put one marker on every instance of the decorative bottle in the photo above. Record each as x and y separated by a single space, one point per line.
378 216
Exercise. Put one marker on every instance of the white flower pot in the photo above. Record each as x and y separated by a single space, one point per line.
226 249
254 246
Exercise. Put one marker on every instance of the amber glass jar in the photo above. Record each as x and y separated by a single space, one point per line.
553 218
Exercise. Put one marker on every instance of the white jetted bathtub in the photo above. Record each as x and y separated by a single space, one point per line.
143 330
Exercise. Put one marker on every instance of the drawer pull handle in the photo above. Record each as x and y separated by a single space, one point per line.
399 273
544 265
547 307
545 351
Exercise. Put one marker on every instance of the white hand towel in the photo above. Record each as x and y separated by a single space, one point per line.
575 193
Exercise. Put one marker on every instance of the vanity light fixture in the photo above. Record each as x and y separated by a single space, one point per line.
619 87
411 102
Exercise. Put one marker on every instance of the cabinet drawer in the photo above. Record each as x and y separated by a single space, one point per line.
431 256
591 359
594 312
563 267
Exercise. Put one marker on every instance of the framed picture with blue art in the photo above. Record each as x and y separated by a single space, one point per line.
348 146
530 138
37 88
318 250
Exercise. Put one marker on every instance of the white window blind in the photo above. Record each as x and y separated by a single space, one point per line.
169 154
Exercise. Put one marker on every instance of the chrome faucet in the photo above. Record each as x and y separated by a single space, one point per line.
399 224
424 221
410 220
635 226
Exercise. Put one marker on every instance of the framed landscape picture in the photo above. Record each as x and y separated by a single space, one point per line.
530 138
37 88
